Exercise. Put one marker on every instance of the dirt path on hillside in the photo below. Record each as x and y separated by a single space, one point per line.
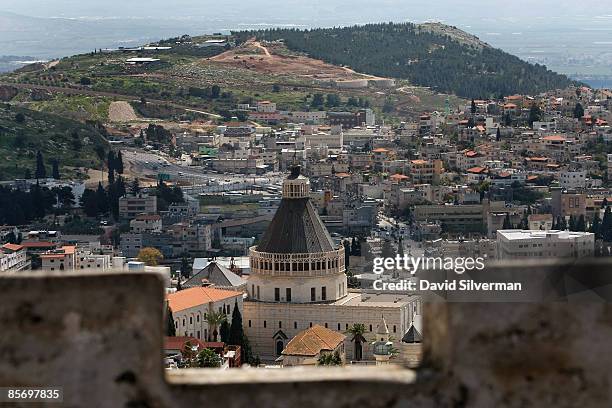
257 44
121 111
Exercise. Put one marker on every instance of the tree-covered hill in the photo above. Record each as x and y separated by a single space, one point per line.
24 133
427 57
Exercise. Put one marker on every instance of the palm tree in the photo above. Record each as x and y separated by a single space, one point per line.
357 330
214 320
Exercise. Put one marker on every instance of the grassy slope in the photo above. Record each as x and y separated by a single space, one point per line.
171 79
51 134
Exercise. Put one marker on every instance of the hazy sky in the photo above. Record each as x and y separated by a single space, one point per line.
314 10
565 34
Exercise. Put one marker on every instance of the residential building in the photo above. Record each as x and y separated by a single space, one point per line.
132 205
191 307
517 244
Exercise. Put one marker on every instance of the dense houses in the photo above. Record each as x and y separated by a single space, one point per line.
275 217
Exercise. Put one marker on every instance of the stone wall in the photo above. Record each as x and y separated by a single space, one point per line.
100 337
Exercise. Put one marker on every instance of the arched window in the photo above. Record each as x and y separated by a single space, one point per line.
279 347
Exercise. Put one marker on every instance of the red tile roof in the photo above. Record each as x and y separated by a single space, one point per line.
312 341
555 138
12 247
193 297
178 343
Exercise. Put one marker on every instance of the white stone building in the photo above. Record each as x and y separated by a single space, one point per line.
191 307
298 280
516 244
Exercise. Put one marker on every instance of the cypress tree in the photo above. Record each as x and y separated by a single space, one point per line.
119 163
507 224
40 172
56 174
224 331
581 224
236 333
572 223
170 329
596 226
606 225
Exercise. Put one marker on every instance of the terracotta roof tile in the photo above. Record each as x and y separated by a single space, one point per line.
192 297
312 341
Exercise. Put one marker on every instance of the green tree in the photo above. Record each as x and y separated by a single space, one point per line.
150 256
41 171
330 359
596 226
55 171
507 223
102 199
357 330
534 114
185 266
606 225
347 254
236 332
224 331
317 101
214 320
578 111
207 358
89 202
581 223
170 328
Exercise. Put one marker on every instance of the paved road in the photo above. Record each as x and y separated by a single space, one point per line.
201 179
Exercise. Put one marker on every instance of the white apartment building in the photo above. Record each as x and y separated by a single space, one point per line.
12 257
516 244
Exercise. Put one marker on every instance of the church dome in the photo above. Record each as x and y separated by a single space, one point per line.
296 226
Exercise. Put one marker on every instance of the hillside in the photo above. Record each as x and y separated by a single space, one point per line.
24 132
437 56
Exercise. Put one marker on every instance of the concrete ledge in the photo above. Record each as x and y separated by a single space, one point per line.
100 337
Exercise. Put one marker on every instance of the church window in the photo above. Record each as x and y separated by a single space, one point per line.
264 324
370 327
295 325
280 324
338 326
249 323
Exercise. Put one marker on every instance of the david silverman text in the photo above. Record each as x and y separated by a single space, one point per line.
461 285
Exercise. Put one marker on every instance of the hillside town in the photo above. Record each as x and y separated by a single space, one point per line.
265 228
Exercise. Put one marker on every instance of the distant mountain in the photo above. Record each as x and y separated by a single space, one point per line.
435 55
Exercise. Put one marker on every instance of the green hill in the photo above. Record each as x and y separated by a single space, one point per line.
434 55
24 132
